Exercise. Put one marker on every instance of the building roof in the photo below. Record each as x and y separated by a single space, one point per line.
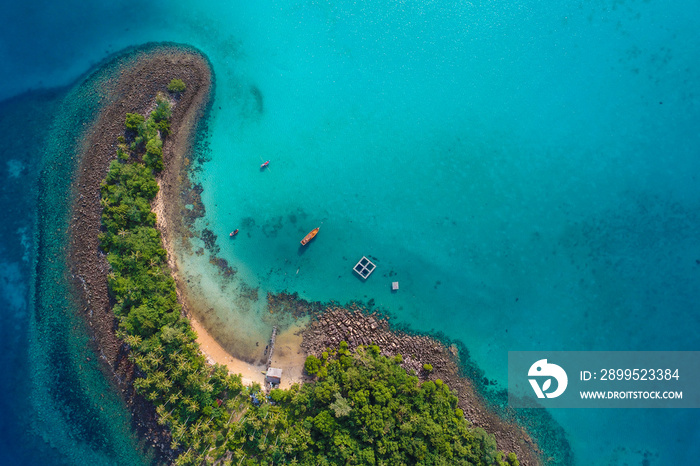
274 372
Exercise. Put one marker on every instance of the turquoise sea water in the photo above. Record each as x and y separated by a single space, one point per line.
526 170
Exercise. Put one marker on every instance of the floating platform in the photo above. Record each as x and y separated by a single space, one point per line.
364 267
394 286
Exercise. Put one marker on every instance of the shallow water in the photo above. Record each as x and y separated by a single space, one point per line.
526 171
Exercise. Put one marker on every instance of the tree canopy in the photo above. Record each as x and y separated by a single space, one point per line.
177 85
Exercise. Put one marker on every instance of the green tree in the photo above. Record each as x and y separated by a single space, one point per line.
154 154
340 406
162 111
134 121
312 364
177 86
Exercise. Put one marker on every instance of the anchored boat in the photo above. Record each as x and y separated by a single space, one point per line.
310 236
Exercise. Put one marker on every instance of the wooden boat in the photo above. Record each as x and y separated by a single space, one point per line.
310 236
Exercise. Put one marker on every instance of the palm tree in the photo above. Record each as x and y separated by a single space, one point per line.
163 383
140 360
163 416
196 442
158 348
192 405
155 359
133 341
172 399
178 430
185 458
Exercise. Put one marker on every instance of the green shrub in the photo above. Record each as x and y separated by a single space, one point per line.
162 110
428 367
154 160
164 127
177 86
122 154
278 395
513 459
134 121
312 364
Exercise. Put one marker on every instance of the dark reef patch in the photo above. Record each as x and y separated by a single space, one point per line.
258 98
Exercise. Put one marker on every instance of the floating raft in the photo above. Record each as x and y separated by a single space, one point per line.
364 267
394 286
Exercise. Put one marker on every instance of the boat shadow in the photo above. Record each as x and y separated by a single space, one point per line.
304 247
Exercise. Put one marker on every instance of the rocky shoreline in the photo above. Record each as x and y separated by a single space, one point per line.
140 75
357 326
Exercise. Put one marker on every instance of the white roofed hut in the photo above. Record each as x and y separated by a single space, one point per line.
274 376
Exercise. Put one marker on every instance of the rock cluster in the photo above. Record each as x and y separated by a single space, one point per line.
359 328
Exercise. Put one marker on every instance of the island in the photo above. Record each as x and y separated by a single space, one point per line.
372 395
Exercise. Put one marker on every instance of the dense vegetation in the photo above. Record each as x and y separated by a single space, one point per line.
363 408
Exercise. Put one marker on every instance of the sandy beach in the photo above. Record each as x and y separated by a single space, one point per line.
167 206
288 356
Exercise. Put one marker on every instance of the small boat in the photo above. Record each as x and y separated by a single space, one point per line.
310 236
265 164
233 233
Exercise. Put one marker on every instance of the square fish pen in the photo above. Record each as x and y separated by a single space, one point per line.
364 267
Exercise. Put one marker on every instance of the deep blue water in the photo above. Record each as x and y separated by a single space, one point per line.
526 170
